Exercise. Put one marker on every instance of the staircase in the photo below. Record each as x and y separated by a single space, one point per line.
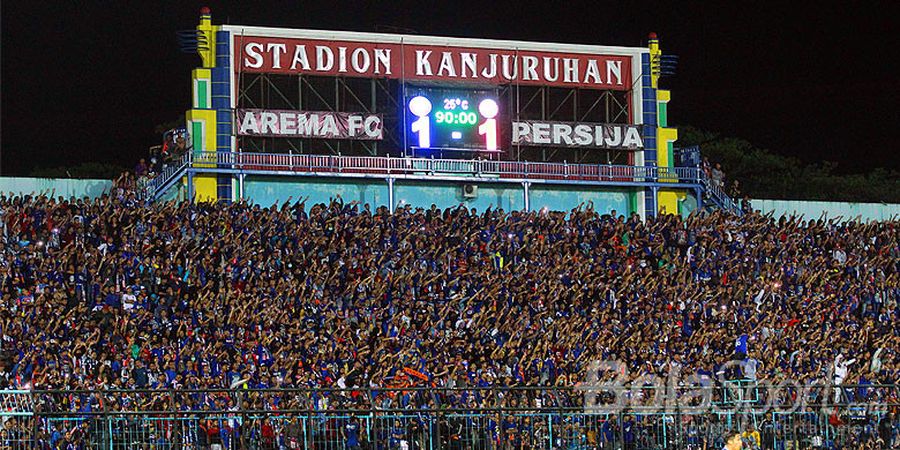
170 175
718 198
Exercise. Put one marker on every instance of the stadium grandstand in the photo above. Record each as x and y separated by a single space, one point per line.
606 294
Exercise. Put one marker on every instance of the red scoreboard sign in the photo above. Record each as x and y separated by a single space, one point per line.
431 62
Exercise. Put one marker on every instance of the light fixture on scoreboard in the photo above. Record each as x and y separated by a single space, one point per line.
489 109
420 106
454 120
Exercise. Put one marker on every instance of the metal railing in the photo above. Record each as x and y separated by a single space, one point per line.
719 197
378 165
427 418
549 431
153 187
429 166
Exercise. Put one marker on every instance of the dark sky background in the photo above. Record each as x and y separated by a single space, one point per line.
88 81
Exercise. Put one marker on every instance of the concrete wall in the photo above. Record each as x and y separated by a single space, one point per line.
559 198
509 196
266 191
813 210
445 195
688 205
178 192
66 187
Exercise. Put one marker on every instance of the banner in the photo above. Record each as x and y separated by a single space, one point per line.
415 373
580 135
309 124
431 62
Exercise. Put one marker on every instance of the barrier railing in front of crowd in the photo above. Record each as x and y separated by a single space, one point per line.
280 162
416 166
442 418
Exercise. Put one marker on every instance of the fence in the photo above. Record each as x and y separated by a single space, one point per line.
497 170
57 187
438 418
388 165
808 209
276 162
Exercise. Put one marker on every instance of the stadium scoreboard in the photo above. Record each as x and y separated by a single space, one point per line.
447 119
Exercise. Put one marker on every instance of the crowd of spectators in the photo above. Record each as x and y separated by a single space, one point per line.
112 293
116 293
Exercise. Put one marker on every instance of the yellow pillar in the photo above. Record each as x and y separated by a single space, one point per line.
667 200
655 54
206 39
201 118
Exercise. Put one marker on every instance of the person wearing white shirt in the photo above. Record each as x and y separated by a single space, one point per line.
841 369
875 365
840 256
751 367
128 300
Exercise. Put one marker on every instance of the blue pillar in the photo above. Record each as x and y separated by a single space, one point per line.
390 182
525 186
653 209
190 186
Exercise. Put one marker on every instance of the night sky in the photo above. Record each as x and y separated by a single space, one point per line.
85 81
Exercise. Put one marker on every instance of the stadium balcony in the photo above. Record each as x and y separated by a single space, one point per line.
437 169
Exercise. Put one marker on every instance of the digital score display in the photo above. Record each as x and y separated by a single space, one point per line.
453 120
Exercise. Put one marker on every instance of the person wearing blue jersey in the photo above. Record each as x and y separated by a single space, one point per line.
740 347
608 433
351 433
398 436
629 433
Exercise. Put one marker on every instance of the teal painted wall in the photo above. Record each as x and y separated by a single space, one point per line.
688 205
176 192
813 210
510 197
66 187
563 198
266 191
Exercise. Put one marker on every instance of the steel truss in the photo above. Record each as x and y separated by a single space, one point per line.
386 97
567 105
312 93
